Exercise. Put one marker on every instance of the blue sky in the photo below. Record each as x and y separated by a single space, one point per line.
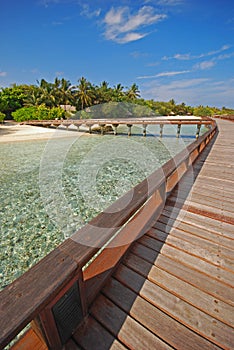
180 49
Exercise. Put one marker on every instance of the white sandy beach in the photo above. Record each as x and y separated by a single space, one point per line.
16 132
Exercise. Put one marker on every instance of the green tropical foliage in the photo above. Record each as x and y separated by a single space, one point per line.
12 98
2 116
45 96
84 93
38 113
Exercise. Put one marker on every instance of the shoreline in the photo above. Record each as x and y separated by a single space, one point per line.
17 133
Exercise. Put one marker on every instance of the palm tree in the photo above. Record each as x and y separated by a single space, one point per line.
65 92
118 93
33 97
47 93
85 93
103 93
133 93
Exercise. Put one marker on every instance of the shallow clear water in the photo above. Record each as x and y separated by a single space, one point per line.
50 189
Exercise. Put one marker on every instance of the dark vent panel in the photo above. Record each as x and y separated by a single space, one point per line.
68 313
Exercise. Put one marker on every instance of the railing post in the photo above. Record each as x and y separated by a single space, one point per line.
198 130
178 130
161 130
144 129
115 126
129 129
102 126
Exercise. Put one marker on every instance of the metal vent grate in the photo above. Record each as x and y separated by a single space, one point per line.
68 313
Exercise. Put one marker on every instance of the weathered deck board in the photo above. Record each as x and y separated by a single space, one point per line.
175 286
205 222
177 308
133 335
189 234
142 308
92 335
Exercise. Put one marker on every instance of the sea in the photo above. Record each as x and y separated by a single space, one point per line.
51 188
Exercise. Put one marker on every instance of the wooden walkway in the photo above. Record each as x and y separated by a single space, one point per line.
174 289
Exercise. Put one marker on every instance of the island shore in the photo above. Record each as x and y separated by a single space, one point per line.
12 132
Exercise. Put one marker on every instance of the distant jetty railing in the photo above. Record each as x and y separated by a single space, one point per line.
128 122
56 293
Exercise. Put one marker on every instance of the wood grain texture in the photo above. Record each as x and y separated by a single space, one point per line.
177 280
29 341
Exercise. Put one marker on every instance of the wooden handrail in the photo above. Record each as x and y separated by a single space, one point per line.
33 295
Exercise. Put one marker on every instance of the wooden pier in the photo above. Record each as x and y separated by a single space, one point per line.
169 287
101 124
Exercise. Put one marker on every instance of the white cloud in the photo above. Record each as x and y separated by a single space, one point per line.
89 13
163 74
192 91
204 65
225 56
47 3
121 26
3 74
188 56
170 2
182 56
138 54
115 16
130 37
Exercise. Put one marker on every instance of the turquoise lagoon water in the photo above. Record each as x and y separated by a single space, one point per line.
50 189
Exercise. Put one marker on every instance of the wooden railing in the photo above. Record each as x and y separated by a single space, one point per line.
225 116
56 293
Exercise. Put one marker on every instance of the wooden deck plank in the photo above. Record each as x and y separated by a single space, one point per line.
197 279
197 251
212 247
208 327
196 197
209 224
204 209
153 318
199 193
206 183
195 200
193 230
184 290
91 335
131 333
191 261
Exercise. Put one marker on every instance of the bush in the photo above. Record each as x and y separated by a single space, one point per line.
38 113
56 112
2 116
